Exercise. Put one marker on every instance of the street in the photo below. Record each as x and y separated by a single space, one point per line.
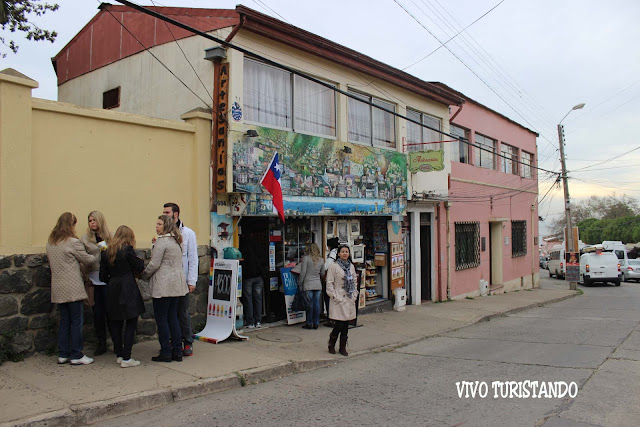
592 340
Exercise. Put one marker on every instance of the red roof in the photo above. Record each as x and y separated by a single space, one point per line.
104 40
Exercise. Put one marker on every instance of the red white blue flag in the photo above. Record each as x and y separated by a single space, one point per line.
271 181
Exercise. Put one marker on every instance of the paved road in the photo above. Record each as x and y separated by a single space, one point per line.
592 340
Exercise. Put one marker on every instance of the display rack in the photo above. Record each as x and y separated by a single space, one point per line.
371 275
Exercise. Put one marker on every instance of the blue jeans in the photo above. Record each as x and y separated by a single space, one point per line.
165 311
70 340
313 314
185 319
252 291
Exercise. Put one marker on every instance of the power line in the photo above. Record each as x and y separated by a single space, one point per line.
608 160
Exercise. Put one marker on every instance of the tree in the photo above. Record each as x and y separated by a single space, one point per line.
14 16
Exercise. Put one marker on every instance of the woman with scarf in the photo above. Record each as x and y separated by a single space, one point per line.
343 291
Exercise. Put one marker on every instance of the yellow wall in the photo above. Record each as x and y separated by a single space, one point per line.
58 157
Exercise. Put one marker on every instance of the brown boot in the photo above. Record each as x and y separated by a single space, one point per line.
343 345
332 343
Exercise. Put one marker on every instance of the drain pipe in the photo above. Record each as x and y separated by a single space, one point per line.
447 206
439 263
533 248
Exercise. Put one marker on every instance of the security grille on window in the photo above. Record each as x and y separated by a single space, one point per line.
518 238
111 98
280 99
467 245
460 151
370 125
484 152
527 161
509 158
420 137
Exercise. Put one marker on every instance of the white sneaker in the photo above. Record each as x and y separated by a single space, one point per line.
258 325
84 360
62 360
251 327
119 360
129 363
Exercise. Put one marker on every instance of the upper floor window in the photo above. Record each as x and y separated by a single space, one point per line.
111 98
371 125
277 98
420 137
484 152
509 158
460 150
527 163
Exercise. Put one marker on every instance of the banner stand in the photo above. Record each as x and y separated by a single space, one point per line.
290 283
221 302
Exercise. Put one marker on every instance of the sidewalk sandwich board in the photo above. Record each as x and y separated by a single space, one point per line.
290 283
221 303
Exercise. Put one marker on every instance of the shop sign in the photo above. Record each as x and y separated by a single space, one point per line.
222 128
221 302
426 161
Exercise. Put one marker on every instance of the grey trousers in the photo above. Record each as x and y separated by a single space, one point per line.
185 319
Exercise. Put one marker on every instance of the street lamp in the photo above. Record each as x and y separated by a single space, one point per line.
567 202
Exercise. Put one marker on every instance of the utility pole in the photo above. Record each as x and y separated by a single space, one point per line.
567 202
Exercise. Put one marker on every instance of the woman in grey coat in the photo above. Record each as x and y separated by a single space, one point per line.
167 283
311 282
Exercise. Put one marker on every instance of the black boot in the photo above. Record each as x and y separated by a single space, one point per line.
101 348
332 343
343 345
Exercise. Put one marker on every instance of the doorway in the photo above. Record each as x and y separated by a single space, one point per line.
425 256
495 253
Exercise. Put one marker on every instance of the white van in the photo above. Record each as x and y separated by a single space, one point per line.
599 267
556 261
617 247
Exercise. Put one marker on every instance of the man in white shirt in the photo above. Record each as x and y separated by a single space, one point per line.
190 265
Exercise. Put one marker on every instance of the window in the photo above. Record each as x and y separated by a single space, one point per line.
111 99
518 238
371 125
460 151
420 135
527 162
277 98
484 152
467 244
509 159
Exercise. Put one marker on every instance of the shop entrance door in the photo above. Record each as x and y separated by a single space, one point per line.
425 257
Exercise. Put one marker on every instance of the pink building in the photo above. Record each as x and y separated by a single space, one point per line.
484 230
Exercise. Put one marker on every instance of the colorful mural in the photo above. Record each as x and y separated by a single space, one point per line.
320 176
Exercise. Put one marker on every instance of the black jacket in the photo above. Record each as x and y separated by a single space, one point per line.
124 300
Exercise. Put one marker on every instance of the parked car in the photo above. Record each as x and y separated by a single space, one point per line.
601 267
544 262
555 264
630 269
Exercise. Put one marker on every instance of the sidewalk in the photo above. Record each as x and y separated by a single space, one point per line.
37 391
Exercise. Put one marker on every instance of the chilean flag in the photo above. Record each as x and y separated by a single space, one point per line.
271 181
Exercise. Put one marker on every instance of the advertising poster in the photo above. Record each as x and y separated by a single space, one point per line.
290 282
221 302
572 266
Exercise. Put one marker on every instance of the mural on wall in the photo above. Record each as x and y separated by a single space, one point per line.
320 176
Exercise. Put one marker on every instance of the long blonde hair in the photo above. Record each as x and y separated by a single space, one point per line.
169 227
103 229
65 227
124 236
314 252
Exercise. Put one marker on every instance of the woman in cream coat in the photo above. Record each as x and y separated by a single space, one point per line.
67 255
342 288
167 283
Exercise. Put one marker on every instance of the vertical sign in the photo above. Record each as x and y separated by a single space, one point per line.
290 284
222 128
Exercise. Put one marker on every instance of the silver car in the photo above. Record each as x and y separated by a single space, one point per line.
630 269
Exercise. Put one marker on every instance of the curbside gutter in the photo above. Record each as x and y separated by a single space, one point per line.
89 413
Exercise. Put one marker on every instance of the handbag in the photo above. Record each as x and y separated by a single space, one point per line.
301 302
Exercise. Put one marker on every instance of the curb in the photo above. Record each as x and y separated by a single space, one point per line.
125 405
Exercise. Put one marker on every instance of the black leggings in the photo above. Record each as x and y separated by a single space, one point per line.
341 327
130 326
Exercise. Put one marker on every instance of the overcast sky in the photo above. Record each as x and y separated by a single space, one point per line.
531 60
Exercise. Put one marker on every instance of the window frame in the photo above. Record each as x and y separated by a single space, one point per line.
292 105
477 151
106 94
527 165
512 161
372 99
463 147
433 145
461 236
518 246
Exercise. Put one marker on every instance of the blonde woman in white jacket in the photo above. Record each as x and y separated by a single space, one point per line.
342 288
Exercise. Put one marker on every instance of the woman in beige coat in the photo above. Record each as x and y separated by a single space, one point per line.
66 255
167 283
342 288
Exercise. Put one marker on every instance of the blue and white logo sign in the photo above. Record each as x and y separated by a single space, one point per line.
236 112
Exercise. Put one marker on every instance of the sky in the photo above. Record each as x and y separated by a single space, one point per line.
529 60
